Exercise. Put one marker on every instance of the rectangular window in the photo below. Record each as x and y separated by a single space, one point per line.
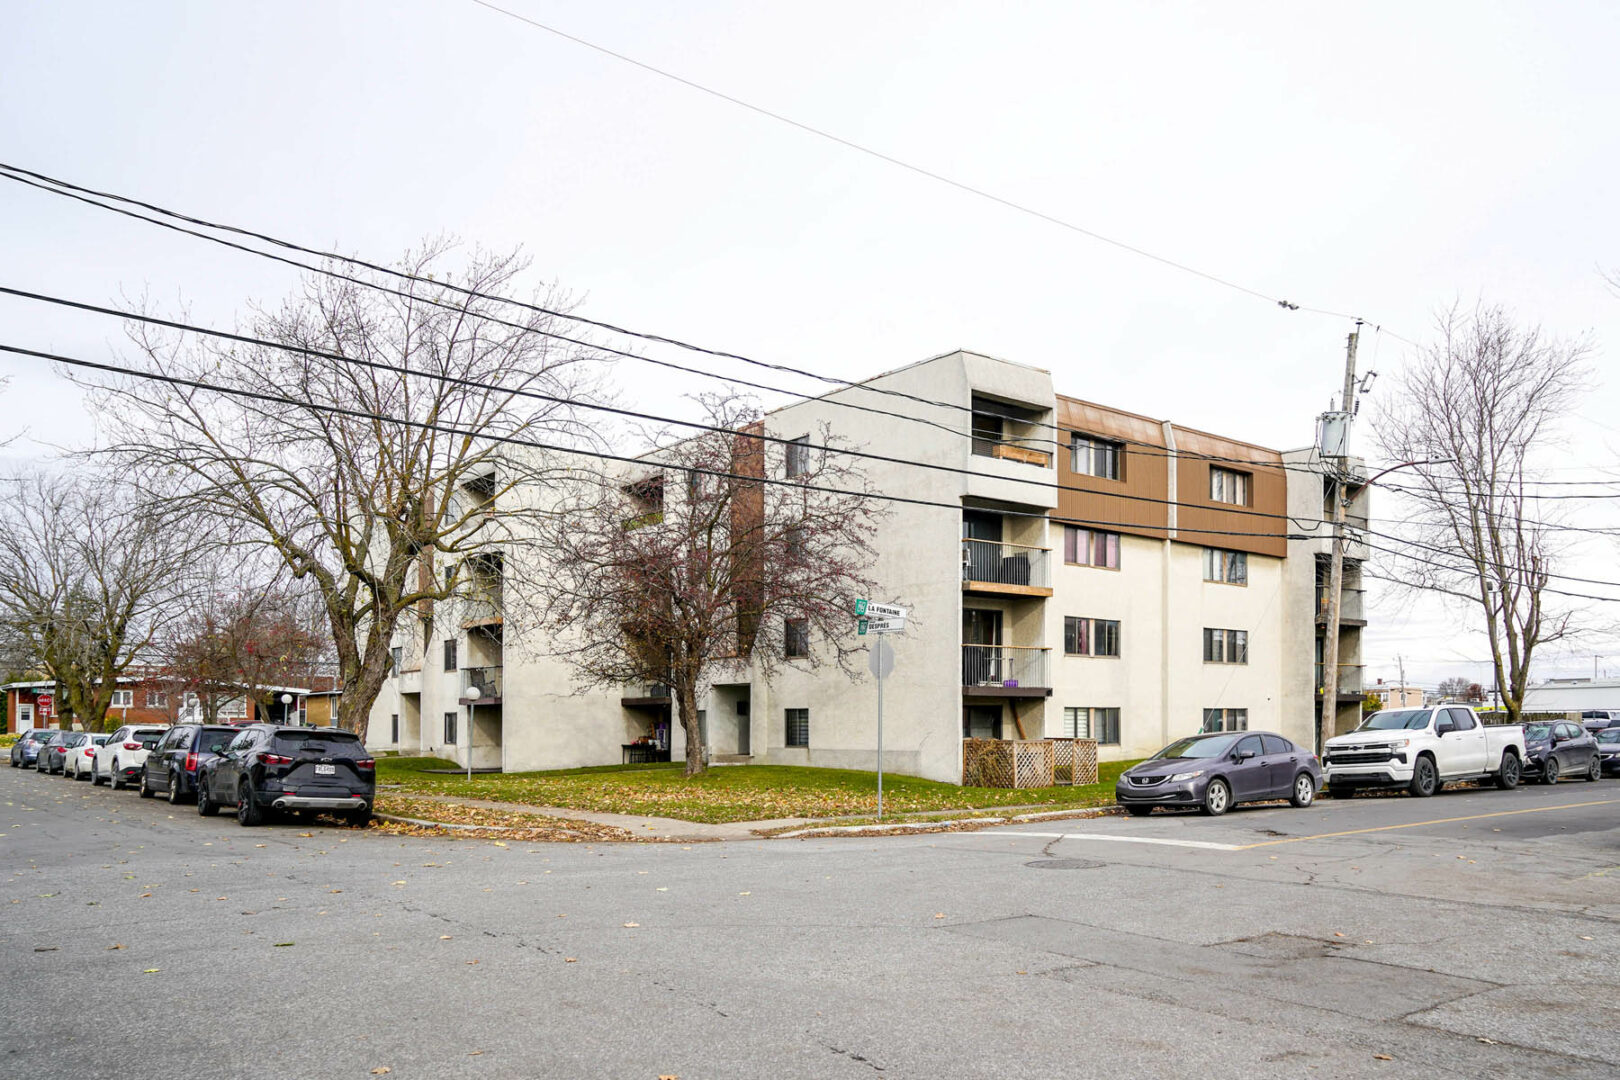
798 727
396 657
1226 720
123 699
449 654
157 699
1091 456
798 456
1226 646
235 708
796 638
393 728
1090 637
1228 486
1090 547
1227 567
1101 724
449 729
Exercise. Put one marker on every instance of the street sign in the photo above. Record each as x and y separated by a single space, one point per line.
884 611
44 706
860 607
881 660
881 626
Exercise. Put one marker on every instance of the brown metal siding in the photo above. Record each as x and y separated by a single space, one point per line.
1268 494
1144 474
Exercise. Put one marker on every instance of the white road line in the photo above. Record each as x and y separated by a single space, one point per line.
1206 844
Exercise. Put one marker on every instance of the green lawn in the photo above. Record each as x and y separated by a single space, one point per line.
733 792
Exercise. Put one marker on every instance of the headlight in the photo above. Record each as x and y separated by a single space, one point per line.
1399 744
1180 776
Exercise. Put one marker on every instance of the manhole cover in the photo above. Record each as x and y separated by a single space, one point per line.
1064 864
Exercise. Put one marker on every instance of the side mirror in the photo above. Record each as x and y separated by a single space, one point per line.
1245 755
217 748
1444 729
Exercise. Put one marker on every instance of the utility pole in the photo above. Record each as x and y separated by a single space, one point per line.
1340 489
1400 662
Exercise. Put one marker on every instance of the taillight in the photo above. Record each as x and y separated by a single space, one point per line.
132 746
191 763
275 759
366 764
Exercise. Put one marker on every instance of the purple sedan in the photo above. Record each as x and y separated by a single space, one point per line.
1216 772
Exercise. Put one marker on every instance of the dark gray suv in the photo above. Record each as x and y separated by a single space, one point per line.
1216 772
270 767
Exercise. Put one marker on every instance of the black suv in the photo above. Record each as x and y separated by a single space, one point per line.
281 767
172 767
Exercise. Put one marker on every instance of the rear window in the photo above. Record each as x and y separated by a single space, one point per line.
342 743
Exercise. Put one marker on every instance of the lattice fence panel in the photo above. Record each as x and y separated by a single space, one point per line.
986 763
1074 761
1032 766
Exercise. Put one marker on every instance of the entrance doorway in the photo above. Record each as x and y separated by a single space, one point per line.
25 717
981 722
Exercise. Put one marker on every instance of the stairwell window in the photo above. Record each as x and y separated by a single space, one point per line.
798 727
449 729
1229 486
1091 456
1226 567
798 456
393 728
395 656
1101 724
449 654
1226 720
1226 646
1090 547
796 639
1090 637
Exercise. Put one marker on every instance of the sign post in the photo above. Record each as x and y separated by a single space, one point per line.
879 619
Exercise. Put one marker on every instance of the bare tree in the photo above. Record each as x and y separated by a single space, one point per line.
382 434
1485 399
666 572
88 582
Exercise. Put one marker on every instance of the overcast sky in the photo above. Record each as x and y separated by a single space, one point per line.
1384 160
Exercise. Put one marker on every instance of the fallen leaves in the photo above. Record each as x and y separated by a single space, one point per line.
631 925
1382 1057
381 1070
570 959
284 944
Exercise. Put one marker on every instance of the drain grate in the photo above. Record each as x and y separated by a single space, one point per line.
1064 864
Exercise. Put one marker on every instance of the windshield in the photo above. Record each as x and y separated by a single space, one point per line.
1396 720
1206 747
1609 735
1538 731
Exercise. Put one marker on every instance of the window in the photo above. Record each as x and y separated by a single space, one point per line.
1462 718
1276 744
793 543
798 456
396 657
242 741
1090 637
449 654
796 639
235 708
798 727
1100 724
123 699
157 699
393 728
1228 486
1228 567
1092 456
1226 646
449 729
1090 547
1226 720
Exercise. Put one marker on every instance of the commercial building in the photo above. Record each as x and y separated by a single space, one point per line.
1070 570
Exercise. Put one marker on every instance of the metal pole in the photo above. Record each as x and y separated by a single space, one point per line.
471 706
1330 640
880 740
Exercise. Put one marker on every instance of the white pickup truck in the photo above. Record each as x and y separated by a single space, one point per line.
1422 749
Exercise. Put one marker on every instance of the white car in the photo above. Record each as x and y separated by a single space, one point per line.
122 757
80 761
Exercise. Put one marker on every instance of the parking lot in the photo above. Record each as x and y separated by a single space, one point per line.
1468 934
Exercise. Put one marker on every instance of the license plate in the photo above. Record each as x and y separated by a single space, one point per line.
326 770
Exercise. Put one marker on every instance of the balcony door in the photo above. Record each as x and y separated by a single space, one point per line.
981 652
981 561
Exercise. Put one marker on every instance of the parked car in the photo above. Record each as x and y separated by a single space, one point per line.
80 758
271 767
55 750
1595 720
1215 772
1560 749
120 759
1422 750
25 751
1608 744
171 768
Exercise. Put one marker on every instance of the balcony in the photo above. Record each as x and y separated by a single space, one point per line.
647 696
1011 450
1352 606
489 682
481 605
1006 671
1350 684
989 566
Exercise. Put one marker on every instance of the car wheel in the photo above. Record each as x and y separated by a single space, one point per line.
1507 777
1594 772
1341 791
247 807
1138 811
361 818
115 778
1217 798
146 789
1304 790
1425 781
95 777
205 805
174 789
1549 771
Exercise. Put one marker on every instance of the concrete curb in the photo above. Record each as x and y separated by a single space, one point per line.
398 820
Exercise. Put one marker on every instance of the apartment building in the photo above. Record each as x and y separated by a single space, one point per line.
1073 570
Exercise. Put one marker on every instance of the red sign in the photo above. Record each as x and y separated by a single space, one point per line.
44 705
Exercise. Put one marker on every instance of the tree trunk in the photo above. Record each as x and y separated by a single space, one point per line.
686 705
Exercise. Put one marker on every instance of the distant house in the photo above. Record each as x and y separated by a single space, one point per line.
139 699
321 707
1398 696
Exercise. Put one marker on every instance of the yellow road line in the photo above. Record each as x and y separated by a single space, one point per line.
1436 821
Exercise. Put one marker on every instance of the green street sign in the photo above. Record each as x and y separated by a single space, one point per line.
860 624
860 608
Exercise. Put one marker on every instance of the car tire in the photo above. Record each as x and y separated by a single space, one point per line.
1507 777
95 777
1594 772
1217 798
115 779
361 818
248 812
1425 780
205 806
1304 791
1549 771
1138 811
146 789
174 789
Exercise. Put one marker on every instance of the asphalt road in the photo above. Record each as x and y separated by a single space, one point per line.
1471 934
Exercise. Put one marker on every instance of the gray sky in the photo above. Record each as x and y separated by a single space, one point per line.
1383 160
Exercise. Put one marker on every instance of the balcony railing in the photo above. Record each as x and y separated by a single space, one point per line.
1352 604
993 563
1349 680
488 680
1010 667
1011 450
481 603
